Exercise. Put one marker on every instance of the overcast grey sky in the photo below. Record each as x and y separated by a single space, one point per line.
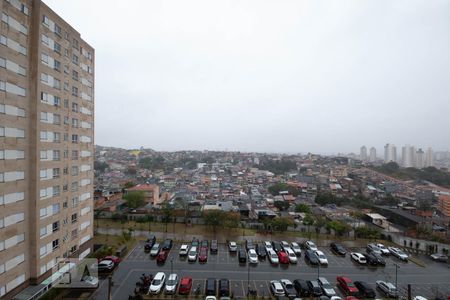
277 76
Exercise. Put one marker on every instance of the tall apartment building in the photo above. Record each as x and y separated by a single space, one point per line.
408 156
46 143
363 153
420 159
390 153
373 154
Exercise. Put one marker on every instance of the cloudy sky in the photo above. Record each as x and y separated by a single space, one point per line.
275 76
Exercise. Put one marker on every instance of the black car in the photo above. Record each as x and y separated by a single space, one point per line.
214 248
204 244
167 245
277 246
261 251
242 255
380 259
365 290
224 288
302 288
148 246
210 287
371 259
195 243
311 257
249 245
314 288
338 249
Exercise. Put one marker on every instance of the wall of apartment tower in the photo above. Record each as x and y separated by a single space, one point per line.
46 143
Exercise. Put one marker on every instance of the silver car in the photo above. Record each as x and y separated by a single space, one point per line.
326 287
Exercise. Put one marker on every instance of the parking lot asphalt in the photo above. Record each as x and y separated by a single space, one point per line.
428 281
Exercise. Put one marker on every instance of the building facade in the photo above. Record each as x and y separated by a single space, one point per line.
373 155
46 143
390 153
363 153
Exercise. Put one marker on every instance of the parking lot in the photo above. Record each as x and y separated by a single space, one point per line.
425 281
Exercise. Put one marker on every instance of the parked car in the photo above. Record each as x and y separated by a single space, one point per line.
192 254
302 288
116 260
149 243
205 244
311 257
291 255
214 247
185 286
288 287
167 245
249 245
358 257
171 284
273 257
90 281
387 288
184 249
398 253
277 246
195 243
364 289
210 287
283 257
276 288
310 245
383 248
338 249
261 251
296 248
203 255
224 287
321 256
380 260
347 285
105 266
373 248
326 287
162 256
252 256
242 256
155 250
157 283
268 245
374 259
285 245
314 288
232 246
148 247
439 257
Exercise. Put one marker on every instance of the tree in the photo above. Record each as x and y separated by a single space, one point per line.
328 198
129 184
367 232
281 205
320 222
281 223
281 186
302 208
214 218
135 199
167 213
100 166
339 227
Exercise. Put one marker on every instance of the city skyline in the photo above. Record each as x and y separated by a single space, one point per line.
275 79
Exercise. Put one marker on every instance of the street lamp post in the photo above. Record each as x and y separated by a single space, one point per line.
248 279
396 271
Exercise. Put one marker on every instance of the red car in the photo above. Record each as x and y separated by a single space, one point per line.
185 286
347 286
283 257
116 260
162 256
203 255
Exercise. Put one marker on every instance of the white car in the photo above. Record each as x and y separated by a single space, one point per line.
252 256
310 245
321 257
335 298
273 257
232 246
192 255
383 249
292 257
326 287
184 249
268 245
285 245
419 298
90 280
358 257
398 253
171 284
210 298
157 283
276 288
155 250
296 248
387 288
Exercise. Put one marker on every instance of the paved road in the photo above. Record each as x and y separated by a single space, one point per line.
427 281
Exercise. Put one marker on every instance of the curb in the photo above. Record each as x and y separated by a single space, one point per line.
417 261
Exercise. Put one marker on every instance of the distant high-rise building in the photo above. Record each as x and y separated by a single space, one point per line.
363 153
373 154
429 158
46 145
420 159
390 153
408 156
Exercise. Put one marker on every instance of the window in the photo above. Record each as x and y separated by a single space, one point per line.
56 119
74 154
74 107
56 156
74 201
55 172
65 137
57 30
66 153
66 122
74 122
56 137
74 233
74 138
55 244
57 66
74 91
66 68
74 186
65 171
66 85
65 188
55 207
43 231
43 154
57 48
56 192
56 101
45 20
75 44
66 103
75 75
75 59
55 226
74 218
65 204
